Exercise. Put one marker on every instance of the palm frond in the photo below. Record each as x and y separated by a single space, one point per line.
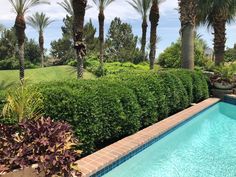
39 21
102 4
67 6
22 6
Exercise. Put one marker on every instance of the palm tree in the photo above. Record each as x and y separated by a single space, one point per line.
79 8
40 21
216 14
142 7
154 19
21 7
188 13
67 5
102 4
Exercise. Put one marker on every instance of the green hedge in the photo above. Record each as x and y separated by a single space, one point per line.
99 111
107 109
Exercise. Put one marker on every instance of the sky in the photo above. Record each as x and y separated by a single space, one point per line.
168 28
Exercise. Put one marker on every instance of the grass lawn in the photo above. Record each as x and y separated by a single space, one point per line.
42 74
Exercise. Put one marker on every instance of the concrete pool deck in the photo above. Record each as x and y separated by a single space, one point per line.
110 154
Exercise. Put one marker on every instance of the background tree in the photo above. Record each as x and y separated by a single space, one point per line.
21 7
143 8
9 51
121 42
79 7
63 50
40 22
171 57
101 5
154 19
216 14
188 13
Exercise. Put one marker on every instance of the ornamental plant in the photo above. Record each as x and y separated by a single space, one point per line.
23 102
44 142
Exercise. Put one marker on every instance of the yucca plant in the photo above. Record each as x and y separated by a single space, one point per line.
22 103
101 5
21 7
40 21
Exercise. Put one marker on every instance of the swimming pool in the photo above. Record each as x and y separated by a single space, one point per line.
203 147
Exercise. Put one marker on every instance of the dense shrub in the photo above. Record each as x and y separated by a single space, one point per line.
186 78
99 111
176 94
200 87
44 142
104 110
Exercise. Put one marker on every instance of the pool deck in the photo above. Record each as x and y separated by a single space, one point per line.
110 154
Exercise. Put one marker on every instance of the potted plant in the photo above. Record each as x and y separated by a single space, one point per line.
224 77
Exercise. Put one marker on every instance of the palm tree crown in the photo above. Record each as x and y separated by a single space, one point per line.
39 21
102 4
67 5
22 6
141 6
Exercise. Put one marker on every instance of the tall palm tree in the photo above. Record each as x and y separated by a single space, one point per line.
79 8
67 5
154 19
21 7
188 13
40 21
142 7
216 14
102 4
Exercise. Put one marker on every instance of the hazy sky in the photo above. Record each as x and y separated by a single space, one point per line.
168 29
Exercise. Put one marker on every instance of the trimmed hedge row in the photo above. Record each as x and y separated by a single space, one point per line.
105 110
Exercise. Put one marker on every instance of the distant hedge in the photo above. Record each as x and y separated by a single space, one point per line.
105 110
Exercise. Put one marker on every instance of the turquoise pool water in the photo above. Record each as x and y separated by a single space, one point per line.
203 147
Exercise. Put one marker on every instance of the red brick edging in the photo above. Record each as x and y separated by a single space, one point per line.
108 155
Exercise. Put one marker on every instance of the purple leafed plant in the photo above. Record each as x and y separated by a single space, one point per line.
44 142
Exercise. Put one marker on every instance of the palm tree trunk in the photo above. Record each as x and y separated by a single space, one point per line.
188 13
41 46
101 19
20 34
22 61
144 38
188 47
154 19
79 7
219 26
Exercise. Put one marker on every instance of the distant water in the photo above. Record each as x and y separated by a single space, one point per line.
204 147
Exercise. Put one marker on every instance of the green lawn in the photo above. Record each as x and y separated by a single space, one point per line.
42 74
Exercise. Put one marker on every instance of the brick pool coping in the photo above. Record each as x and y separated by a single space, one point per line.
97 161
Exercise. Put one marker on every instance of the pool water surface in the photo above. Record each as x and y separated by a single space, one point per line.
203 147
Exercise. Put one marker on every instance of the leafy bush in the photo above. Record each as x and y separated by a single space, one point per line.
99 111
104 110
171 57
186 78
44 142
200 87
